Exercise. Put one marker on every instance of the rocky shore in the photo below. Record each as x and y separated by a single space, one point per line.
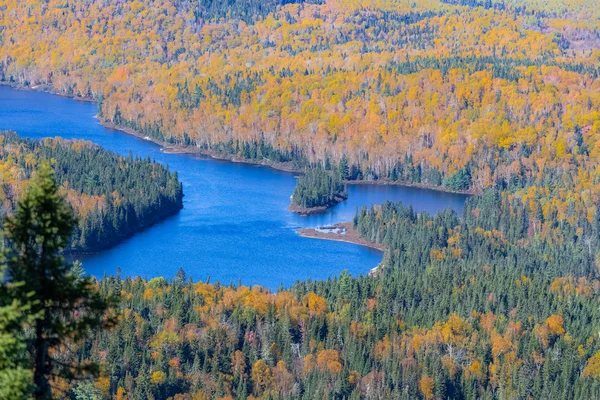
343 232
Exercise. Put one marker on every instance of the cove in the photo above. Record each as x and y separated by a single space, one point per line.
234 227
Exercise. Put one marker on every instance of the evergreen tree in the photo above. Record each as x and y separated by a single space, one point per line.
65 307
319 187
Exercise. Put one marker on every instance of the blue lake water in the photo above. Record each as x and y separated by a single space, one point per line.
234 226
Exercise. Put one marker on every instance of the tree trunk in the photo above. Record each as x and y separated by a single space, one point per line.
42 387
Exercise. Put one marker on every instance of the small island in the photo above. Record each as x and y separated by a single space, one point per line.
317 190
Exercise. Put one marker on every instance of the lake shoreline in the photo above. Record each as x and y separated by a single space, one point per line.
170 148
306 211
350 235
75 253
44 88
235 224
426 186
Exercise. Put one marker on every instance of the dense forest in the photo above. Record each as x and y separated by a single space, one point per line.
454 93
112 196
319 188
466 307
476 306
499 98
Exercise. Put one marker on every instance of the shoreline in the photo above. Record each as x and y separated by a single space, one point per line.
350 235
44 88
307 211
412 185
170 148
75 253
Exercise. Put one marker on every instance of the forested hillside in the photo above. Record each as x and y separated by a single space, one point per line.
112 196
473 307
409 90
500 98
466 307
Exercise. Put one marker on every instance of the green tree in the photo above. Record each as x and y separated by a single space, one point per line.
65 307
319 187
15 377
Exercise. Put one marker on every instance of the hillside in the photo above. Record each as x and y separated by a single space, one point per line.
417 90
112 196
496 98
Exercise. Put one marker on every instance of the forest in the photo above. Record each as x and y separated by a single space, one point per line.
415 91
497 98
469 306
113 197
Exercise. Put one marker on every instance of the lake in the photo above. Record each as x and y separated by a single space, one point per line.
234 227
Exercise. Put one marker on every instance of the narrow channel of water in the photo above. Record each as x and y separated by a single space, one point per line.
234 226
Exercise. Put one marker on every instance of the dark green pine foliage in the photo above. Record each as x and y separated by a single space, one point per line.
248 11
63 306
459 181
15 376
137 192
209 354
319 187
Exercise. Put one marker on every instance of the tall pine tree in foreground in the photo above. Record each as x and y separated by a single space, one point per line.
54 306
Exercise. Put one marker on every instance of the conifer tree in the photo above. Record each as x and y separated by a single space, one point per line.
64 307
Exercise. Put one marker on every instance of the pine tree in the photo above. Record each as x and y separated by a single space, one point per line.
65 307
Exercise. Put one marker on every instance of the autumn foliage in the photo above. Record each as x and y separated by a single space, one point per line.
499 98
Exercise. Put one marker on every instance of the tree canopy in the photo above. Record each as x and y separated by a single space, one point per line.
498 98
